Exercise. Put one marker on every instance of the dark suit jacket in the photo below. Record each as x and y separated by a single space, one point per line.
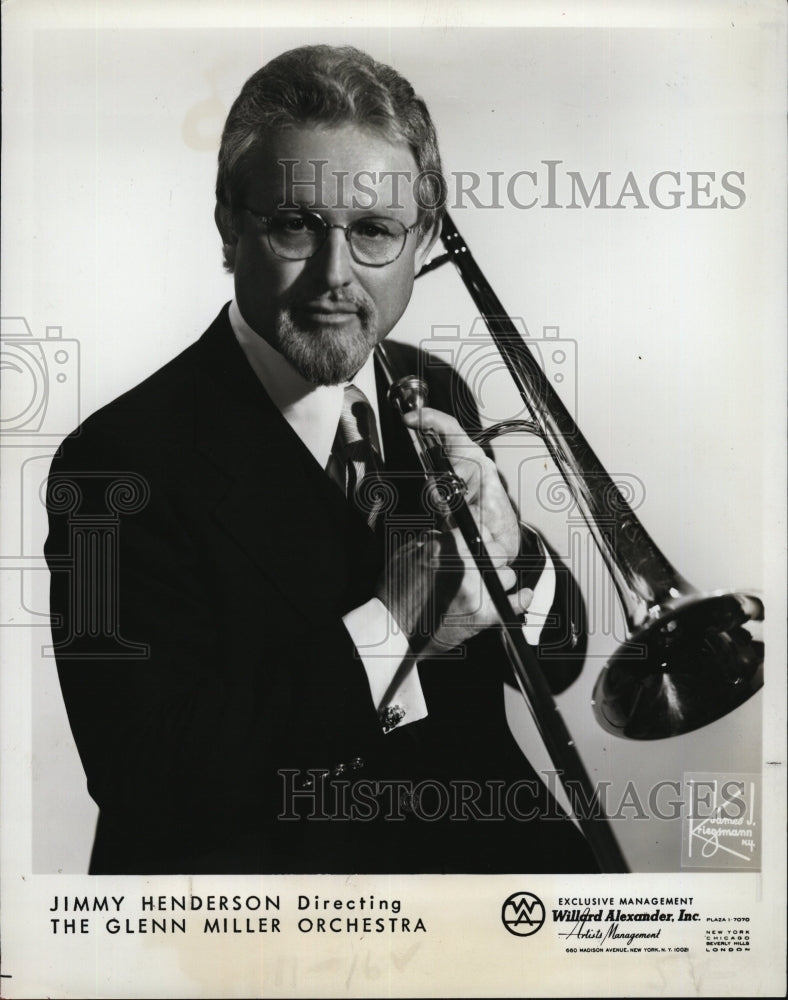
205 667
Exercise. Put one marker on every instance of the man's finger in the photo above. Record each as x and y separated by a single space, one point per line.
436 420
521 600
497 553
459 447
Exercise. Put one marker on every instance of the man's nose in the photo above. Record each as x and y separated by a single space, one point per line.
335 259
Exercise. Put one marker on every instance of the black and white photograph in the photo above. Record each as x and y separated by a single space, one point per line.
393 536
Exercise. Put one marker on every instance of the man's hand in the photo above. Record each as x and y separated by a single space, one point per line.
432 587
486 497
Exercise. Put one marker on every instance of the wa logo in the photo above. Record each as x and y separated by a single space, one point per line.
523 914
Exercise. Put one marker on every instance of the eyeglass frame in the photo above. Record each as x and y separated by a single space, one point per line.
327 227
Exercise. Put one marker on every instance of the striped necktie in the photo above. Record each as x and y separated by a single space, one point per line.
355 457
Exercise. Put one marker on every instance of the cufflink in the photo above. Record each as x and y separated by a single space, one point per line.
309 780
390 717
355 765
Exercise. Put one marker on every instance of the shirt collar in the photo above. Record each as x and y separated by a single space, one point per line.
311 410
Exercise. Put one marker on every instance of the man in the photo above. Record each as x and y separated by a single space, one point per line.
276 658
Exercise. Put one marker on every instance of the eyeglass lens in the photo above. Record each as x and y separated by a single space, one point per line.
372 240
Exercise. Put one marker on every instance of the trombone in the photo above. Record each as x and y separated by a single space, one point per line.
689 657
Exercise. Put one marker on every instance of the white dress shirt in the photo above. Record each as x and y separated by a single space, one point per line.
313 412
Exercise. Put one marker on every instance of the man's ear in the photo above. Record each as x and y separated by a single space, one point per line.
223 218
224 223
426 242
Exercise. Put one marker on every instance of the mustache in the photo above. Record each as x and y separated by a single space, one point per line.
356 302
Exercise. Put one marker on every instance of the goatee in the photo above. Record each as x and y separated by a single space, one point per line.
324 354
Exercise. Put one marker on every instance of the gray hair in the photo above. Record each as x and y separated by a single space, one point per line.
321 84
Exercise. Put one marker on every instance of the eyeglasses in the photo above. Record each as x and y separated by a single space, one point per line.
374 241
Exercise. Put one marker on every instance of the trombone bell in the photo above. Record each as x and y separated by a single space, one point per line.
695 663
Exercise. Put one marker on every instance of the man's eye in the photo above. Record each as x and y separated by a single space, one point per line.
373 230
290 224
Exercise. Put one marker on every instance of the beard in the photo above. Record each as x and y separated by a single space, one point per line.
324 354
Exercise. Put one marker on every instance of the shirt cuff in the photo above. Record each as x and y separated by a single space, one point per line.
536 617
389 665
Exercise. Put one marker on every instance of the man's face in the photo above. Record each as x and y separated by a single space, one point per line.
325 314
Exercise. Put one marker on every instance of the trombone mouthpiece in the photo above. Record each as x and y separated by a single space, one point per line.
408 393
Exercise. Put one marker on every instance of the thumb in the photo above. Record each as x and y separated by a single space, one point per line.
521 600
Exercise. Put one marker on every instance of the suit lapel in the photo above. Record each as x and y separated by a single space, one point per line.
274 500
